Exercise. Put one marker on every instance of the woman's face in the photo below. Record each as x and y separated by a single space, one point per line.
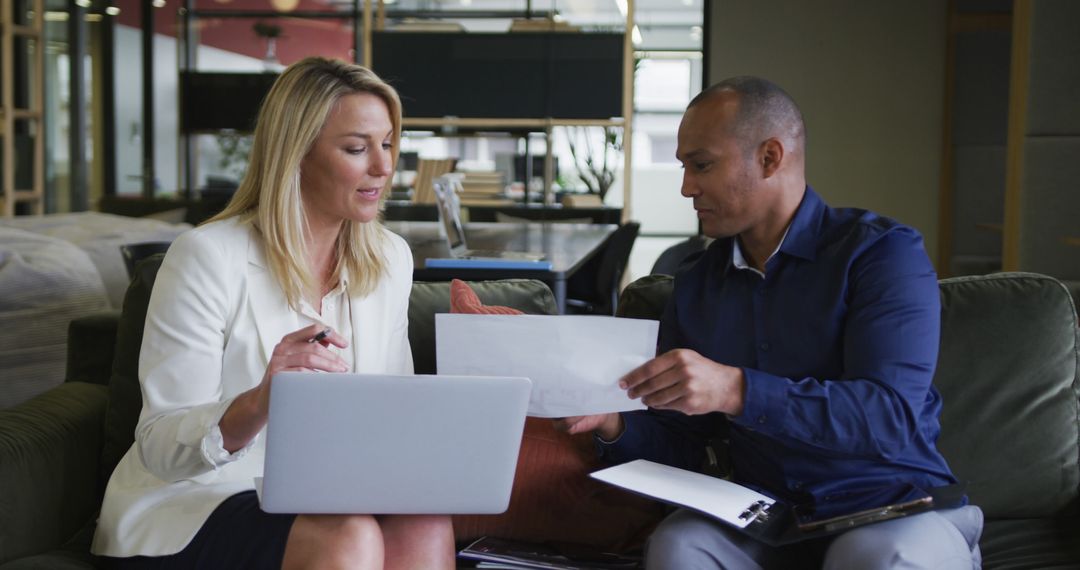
343 175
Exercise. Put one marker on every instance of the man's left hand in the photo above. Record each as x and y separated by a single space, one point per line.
686 381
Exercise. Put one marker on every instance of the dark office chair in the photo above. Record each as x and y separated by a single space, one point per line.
673 257
594 289
135 252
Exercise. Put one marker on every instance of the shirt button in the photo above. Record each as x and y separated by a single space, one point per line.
764 346
762 419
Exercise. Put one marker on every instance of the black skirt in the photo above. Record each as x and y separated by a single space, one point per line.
238 534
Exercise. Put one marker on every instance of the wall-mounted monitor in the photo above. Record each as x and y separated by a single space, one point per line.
214 101
516 75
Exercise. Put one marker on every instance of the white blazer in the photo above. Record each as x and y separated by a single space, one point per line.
214 317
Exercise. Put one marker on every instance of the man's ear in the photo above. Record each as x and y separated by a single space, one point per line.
770 156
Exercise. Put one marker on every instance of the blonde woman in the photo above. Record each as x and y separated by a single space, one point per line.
297 251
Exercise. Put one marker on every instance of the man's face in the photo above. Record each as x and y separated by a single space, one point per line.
717 174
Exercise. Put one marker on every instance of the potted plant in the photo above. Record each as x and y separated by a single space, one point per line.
595 164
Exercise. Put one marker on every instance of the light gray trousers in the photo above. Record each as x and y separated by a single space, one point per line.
940 540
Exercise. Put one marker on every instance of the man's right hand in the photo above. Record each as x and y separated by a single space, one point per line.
608 426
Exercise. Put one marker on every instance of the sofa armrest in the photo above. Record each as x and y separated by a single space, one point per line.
49 477
90 348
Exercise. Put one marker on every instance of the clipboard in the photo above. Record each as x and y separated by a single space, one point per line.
761 517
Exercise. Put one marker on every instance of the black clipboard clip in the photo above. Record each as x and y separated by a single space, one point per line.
758 511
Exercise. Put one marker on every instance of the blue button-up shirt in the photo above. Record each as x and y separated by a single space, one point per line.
838 342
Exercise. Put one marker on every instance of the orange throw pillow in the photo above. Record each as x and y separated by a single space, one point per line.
553 498
464 300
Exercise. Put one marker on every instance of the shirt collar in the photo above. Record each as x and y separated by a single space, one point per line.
801 237
338 292
738 260
804 232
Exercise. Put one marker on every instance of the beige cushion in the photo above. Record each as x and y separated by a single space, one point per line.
45 282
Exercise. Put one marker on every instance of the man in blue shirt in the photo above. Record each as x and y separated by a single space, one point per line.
808 336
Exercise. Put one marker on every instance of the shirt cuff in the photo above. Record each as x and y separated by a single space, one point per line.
765 402
603 441
212 445
622 448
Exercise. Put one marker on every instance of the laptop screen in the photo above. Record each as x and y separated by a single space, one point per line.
450 212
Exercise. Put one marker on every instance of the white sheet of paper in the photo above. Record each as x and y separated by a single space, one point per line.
722 499
574 361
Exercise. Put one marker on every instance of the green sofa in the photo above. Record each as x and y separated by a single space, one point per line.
1007 371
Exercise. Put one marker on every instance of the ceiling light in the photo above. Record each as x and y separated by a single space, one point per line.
159 3
112 11
284 5
82 3
635 35
621 5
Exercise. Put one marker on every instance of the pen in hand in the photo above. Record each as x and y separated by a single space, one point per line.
321 336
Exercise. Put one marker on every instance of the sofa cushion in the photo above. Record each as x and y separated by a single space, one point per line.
92 347
45 282
1007 372
645 298
1015 544
49 487
554 499
55 560
427 299
100 235
125 394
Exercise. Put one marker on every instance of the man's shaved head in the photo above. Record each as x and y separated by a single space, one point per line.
764 111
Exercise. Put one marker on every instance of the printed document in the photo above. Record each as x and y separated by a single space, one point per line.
574 361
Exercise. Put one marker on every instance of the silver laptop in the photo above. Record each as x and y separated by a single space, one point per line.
449 206
382 444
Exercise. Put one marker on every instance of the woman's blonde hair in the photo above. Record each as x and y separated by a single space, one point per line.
289 122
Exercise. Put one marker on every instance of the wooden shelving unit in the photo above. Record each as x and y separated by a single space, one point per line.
22 21
369 17
544 125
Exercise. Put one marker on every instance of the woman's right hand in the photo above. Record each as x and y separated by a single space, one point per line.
297 351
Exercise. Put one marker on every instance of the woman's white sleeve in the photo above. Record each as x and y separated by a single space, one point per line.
180 362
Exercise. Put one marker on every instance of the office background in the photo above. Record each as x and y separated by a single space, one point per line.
907 104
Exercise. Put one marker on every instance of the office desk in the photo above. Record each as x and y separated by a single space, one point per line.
566 246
